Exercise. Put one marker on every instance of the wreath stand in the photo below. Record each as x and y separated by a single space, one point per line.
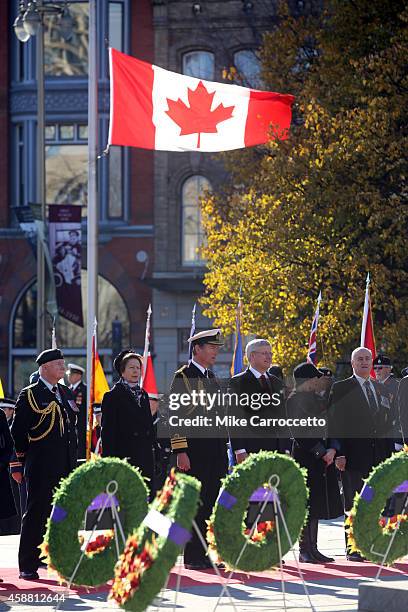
111 490
273 484
392 538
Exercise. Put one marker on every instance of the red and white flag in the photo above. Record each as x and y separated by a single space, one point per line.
153 108
367 328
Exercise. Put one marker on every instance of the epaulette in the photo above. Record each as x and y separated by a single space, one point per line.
181 370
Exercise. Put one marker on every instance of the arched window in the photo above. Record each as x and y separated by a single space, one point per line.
192 229
199 64
249 68
70 338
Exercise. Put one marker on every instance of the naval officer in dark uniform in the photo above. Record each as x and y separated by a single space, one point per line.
75 375
204 458
45 440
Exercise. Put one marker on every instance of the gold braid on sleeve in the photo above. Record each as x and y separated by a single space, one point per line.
51 409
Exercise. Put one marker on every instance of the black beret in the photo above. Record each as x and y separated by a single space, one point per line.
326 371
6 402
49 355
382 360
118 359
306 371
276 370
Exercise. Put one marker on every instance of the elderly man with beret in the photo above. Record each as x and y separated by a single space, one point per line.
45 440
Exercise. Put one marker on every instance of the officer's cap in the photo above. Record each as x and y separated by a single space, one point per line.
326 371
404 372
49 355
74 367
6 402
306 371
382 360
208 336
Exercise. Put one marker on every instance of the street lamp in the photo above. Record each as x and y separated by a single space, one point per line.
29 22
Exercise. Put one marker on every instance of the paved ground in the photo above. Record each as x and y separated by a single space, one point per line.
332 588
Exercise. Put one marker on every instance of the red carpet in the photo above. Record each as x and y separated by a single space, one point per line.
342 569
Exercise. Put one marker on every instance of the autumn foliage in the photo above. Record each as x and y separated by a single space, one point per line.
320 210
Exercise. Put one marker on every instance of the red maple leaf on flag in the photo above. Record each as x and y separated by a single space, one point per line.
198 118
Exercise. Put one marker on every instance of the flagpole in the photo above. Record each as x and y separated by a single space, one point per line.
92 226
365 311
146 344
192 332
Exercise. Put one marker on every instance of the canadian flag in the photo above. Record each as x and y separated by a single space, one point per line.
153 108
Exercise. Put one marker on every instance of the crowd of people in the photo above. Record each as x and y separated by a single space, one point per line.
43 435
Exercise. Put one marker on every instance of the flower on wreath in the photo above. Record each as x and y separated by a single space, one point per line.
260 531
351 542
98 545
130 569
390 524
164 496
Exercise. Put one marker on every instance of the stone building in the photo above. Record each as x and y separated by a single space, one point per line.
150 229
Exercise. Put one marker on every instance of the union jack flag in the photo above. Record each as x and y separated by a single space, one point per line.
312 350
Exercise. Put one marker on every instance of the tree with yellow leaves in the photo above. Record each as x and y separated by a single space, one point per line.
329 204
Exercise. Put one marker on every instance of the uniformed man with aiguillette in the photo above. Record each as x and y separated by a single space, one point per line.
45 439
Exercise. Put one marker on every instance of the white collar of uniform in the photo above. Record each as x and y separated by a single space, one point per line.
76 384
200 367
256 373
48 384
363 380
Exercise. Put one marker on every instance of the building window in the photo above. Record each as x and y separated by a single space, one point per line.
66 171
115 204
69 335
248 68
116 25
193 237
67 58
199 64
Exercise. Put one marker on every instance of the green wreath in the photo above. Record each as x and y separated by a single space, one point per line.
226 529
144 565
367 532
61 547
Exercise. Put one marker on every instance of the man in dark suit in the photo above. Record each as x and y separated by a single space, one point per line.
75 374
256 380
360 418
204 458
45 440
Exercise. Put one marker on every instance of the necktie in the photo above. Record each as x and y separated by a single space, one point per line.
54 390
370 396
264 382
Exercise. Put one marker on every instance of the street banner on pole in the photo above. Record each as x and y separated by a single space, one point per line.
65 250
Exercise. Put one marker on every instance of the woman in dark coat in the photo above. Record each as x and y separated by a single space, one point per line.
7 506
317 455
127 424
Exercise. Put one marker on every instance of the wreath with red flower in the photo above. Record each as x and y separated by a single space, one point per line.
147 559
369 533
62 547
227 533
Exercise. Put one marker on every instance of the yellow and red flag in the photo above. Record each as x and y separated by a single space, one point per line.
99 386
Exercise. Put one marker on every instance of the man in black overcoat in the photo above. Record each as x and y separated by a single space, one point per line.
361 417
75 374
205 458
252 382
45 440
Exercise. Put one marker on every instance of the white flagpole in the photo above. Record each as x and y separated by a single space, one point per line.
365 312
147 341
92 229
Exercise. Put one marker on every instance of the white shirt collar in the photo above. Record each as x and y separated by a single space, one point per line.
47 384
256 373
75 385
363 380
200 367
